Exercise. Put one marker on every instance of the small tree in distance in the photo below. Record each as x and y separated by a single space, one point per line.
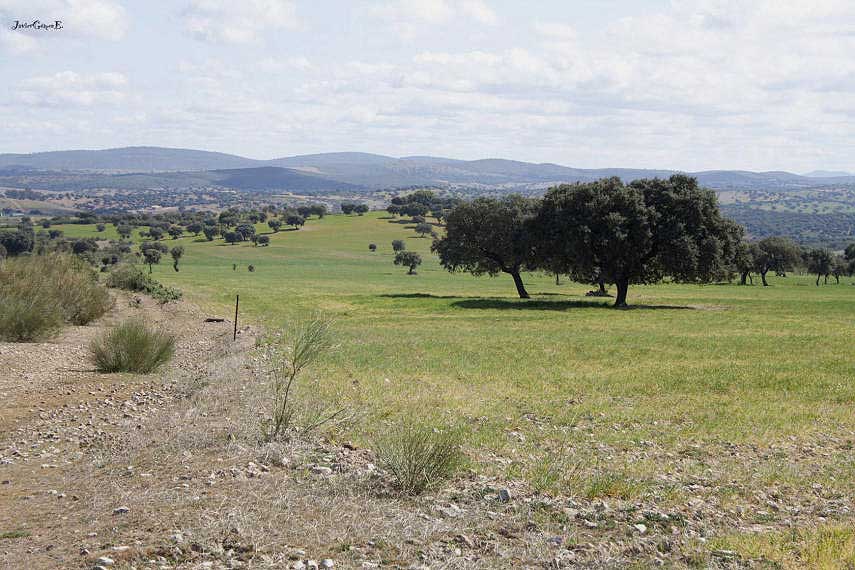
776 254
372 247
409 259
274 224
424 229
398 245
295 220
211 232
152 252
819 262
176 253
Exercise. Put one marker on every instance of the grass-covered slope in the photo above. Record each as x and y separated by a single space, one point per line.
741 363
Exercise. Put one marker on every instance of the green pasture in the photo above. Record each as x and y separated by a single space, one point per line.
716 363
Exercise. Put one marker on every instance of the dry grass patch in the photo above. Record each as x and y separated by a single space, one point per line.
820 548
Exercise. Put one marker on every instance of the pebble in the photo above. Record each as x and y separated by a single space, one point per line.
504 495
105 561
327 563
121 511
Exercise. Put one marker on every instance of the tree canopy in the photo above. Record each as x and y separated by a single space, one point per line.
489 236
636 233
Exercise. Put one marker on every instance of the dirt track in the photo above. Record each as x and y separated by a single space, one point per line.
56 413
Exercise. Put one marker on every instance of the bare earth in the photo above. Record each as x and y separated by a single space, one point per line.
166 471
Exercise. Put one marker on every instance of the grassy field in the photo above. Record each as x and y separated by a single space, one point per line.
746 364
741 363
722 385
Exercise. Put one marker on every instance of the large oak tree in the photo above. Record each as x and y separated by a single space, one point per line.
489 236
636 233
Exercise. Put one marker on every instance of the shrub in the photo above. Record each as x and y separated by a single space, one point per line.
132 347
39 294
372 247
419 456
27 317
131 278
289 356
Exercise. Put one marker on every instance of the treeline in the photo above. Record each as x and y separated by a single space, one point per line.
25 239
834 230
610 233
420 203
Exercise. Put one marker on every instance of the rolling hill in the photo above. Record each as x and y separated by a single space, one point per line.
369 171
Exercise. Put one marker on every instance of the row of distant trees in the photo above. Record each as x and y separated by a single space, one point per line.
610 233
780 255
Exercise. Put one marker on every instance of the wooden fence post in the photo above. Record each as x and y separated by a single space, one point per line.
237 302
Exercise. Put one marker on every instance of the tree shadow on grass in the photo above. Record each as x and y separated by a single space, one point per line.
550 305
422 296
530 304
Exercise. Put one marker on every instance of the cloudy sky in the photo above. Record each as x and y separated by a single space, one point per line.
754 84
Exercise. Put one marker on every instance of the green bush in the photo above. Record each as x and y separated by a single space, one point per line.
132 347
132 278
38 294
420 457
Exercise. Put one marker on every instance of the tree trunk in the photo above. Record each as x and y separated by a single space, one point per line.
837 278
763 277
602 284
149 267
519 283
557 279
175 266
817 279
826 278
622 287
744 279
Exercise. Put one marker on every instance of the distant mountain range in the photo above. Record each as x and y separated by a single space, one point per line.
168 167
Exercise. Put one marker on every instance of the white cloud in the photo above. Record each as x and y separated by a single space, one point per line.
238 22
480 11
76 89
690 84
409 18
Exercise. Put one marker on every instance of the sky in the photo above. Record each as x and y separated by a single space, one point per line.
679 84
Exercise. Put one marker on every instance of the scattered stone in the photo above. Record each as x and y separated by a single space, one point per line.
641 528
327 563
321 470
504 495
121 511
105 561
